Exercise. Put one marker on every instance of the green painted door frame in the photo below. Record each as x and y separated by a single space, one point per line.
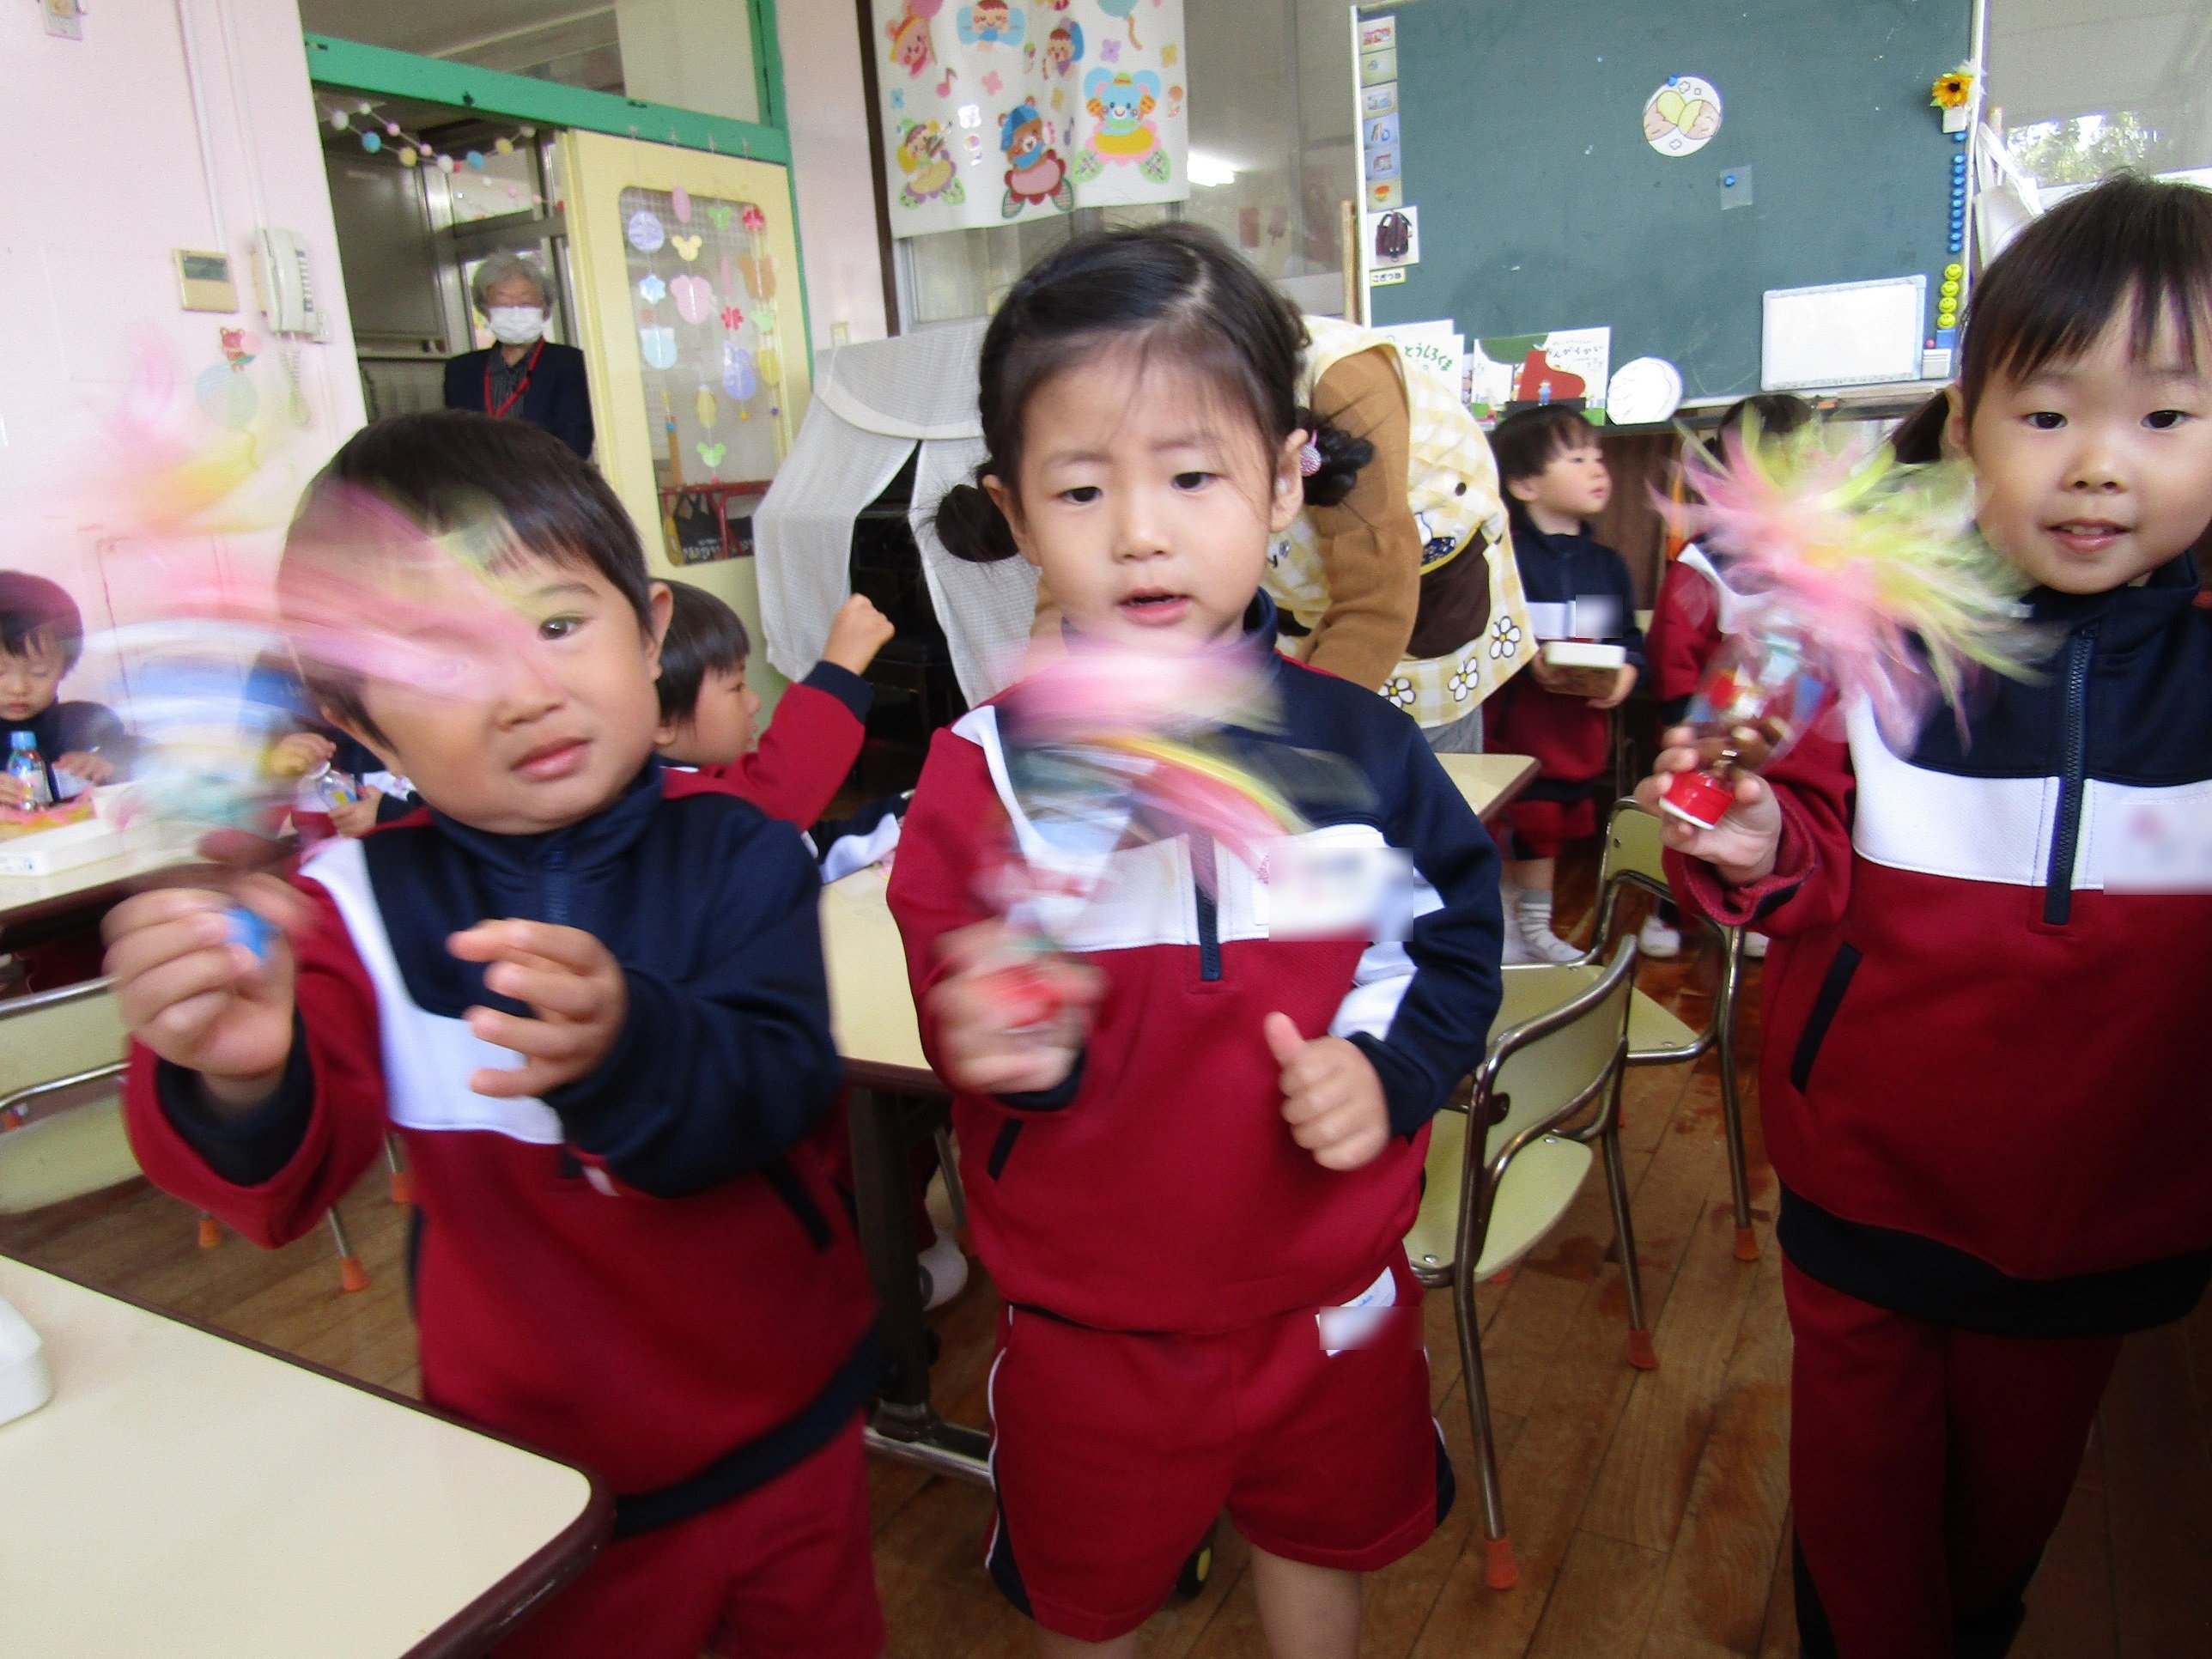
380 71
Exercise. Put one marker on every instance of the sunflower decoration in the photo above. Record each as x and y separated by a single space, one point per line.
1955 89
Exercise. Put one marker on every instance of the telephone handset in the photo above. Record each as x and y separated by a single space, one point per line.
283 285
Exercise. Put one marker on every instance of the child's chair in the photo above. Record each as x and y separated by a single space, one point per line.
1635 857
1489 1198
65 1049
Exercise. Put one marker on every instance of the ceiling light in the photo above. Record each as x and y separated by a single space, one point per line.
1210 170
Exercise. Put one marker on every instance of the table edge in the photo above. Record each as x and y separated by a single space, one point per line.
537 1578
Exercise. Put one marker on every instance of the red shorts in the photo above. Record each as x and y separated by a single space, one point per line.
782 1572
1540 828
1114 1452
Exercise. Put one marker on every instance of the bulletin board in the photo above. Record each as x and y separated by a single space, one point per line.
1542 205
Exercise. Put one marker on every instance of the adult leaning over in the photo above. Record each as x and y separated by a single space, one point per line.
525 376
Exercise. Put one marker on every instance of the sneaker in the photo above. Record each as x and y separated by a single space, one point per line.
1531 917
944 1273
1754 947
1657 941
1550 947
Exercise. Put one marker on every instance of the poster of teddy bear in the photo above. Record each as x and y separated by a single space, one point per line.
999 111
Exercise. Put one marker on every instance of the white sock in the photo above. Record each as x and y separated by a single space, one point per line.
1533 909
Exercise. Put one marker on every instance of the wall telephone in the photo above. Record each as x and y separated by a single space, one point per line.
281 284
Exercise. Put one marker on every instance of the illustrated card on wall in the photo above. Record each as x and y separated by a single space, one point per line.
1377 33
1565 365
1434 345
1378 66
1378 100
1393 238
999 111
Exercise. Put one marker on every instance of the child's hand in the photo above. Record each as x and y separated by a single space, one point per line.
12 792
857 632
1332 1098
1743 845
992 1043
1550 677
1621 687
300 753
356 818
86 767
195 996
572 981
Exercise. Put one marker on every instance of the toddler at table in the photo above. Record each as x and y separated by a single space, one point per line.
1177 1182
1983 1081
589 993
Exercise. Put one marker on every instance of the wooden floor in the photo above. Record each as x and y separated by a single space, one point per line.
1649 1510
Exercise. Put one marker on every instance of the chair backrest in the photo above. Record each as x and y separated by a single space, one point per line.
58 1034
1547 1069
1633 848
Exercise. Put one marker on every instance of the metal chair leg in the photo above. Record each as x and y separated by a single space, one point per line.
403 1184
955 1194
1746 1241
352 1276
1641 1354
1498 1570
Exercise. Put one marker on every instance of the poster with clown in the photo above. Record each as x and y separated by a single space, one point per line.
995 112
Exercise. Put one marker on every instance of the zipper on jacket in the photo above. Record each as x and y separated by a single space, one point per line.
1203 868
556 886
2058 879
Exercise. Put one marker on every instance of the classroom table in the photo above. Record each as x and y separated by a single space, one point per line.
895 1099
34 910
193 1495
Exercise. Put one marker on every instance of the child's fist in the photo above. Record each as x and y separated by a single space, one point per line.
192 990
1742 847
1332 1098
568 978
1010 1020
1623 684
298 753
86 766
857 632
355 818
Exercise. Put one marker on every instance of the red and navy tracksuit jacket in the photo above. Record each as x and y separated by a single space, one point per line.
1158 1189
1686 630
644 1271
1577 589
1987 1043
807 752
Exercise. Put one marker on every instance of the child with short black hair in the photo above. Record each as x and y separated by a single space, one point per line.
41 637
589 994
1578 588
1174 1185
1984 1083
794 770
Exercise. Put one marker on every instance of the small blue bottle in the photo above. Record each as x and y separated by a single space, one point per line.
29 768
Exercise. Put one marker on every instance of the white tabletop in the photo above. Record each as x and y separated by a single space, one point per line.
20 893
186 1495
872 1011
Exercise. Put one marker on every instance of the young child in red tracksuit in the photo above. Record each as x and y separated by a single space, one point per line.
1555 478
1685 628
1986 1051
794 770
1217 1143
589 994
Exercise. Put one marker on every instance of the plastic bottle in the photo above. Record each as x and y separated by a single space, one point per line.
1757 698
29 768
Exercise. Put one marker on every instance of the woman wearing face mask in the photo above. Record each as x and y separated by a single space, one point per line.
525 377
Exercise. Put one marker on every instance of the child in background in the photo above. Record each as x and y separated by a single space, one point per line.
1686 626
794 770
1555 479
1986 1049
41 636
590 995
1221 1135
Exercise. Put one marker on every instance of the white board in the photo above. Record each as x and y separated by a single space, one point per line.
1843 334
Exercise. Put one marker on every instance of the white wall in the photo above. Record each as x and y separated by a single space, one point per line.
693 54
827 108
105 176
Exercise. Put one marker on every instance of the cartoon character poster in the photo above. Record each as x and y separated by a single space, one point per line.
995 112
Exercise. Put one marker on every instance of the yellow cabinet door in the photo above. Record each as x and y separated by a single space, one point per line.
691 316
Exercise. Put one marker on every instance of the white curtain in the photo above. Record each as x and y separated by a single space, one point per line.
872 404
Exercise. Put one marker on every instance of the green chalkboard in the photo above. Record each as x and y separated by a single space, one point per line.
1543 207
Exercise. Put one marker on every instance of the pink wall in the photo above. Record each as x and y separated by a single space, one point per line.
106 175
829 114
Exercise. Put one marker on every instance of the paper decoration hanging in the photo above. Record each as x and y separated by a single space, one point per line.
709 410
646 231
657 345
739 377
1681 117
651 289
996 111
694 298
712 453
679 204
687 247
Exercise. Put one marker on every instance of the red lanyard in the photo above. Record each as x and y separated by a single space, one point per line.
520 385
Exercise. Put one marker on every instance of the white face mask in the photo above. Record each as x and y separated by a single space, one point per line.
516 324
